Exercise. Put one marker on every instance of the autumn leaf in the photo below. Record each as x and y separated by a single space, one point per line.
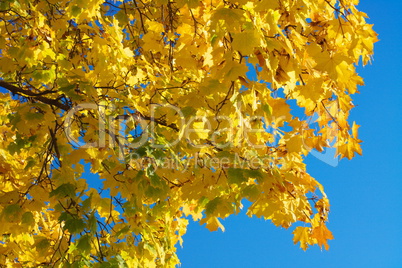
322 235
213 224
302 235
119 120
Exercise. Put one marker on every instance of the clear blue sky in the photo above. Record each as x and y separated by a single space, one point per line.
365 193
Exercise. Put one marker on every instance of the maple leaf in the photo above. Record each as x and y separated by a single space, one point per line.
322 235
213 224
302 235
122 119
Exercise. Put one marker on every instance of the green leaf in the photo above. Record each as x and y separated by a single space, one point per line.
121 16
37 75
75 11
92 223
82 263
20 143
86 204
122 231
27 218
67 89
75 226
66 189
252 173
43 244
13 51
156 181
31 163
34 116
64 216
12 212
251 192
105 265
268 109
84 244
118 261
188 111
203 201
213 39
141 151
236 175
211 206
153 192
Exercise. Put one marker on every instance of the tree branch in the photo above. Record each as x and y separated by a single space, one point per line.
36 96
148 118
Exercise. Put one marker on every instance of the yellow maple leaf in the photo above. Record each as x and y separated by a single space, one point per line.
213 224
245 42
302 235
322 235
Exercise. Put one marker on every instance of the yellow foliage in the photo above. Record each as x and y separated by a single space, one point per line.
124 119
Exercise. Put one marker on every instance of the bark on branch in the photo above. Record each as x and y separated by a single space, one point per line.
30 94
39 97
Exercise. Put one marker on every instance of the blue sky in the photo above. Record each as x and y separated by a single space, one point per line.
365 193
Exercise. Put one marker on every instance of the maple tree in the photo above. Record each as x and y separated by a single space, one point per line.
156 98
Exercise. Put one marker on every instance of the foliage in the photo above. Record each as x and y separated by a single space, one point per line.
156 99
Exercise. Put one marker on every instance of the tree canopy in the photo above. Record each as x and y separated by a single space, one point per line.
121 121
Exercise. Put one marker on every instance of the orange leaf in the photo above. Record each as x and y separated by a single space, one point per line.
322 234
